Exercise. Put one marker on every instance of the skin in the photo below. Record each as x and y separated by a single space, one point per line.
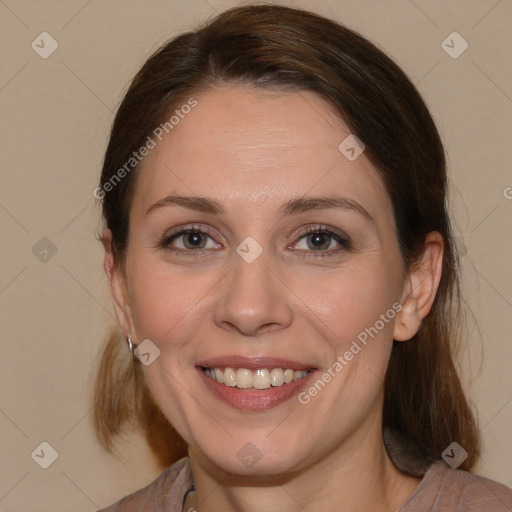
252 151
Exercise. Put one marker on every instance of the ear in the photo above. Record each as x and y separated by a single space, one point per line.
116 277
420 288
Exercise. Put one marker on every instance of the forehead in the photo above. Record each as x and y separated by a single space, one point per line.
242 145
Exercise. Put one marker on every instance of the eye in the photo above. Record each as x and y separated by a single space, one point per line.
321 240
190 239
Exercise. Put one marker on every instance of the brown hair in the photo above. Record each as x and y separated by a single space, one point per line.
270 46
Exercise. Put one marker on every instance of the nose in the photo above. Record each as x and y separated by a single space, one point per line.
254 301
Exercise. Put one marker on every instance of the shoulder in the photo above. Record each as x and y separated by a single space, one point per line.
450 490
165 494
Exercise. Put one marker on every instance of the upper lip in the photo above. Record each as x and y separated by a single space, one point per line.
252 363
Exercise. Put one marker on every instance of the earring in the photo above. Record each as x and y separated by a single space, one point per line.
130 344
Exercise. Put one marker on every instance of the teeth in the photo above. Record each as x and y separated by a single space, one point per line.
229 377
261 379
277 377
243 378
258 379
219 376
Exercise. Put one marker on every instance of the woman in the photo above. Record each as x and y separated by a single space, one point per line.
283 268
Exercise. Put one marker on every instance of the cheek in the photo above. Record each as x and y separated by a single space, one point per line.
353 311
166 303
351 302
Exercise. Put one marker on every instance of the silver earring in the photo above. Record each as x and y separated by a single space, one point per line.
130 344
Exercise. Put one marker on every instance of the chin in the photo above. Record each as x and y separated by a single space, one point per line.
242 456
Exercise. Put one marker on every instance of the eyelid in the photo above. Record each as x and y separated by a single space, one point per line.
341 238
311 228
321 228
179 231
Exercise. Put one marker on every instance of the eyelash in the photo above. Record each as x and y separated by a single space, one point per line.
317 229
343 241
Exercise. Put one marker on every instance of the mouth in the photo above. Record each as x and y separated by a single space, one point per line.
254 384
259 379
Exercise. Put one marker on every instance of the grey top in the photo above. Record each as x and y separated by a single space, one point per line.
442 489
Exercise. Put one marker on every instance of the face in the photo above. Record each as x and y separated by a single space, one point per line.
260 256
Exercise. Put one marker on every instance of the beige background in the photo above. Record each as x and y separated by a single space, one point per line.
56 115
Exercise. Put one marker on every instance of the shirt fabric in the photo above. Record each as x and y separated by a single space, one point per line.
442 489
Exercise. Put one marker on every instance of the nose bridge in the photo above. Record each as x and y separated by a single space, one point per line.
252 298
251 276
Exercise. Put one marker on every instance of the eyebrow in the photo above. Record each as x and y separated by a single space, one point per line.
306 204
292 207
200 204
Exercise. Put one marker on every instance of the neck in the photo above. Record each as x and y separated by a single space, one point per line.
359 476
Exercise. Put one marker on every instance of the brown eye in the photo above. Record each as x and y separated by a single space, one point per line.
194 240
318 241
189 241
321 241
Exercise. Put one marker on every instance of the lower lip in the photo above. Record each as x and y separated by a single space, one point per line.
255 400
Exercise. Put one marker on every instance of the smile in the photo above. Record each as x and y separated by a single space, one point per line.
259 379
